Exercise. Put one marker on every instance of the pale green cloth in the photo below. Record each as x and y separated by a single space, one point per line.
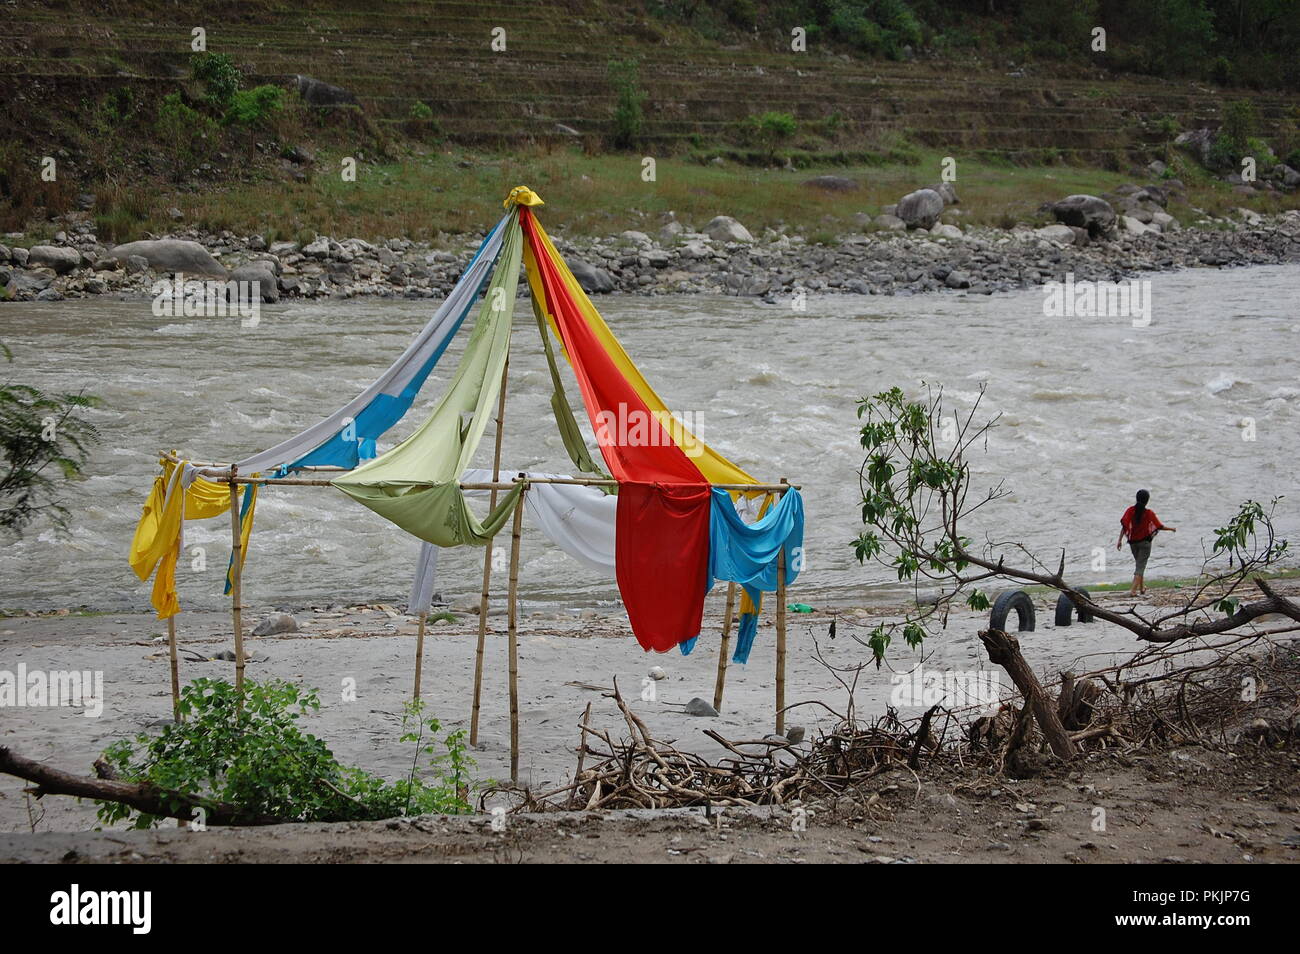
416 485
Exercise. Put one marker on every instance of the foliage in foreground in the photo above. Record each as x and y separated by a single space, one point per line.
258 758
42 440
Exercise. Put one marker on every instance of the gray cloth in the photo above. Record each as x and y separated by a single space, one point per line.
426 569
1141 553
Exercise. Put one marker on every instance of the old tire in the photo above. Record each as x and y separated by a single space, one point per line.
1065 609
1017 600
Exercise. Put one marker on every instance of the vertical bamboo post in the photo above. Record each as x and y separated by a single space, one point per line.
236 581
721 682
487 562
780 637
512 628
419 656
176 675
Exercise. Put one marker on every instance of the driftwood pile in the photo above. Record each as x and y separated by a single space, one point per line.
644 772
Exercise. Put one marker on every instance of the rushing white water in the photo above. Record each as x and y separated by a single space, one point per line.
1091 410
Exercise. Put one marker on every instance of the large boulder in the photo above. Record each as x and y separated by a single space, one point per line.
261 281
947 191
920 209
591 278
1056 233
1086 212
170 255
58 257
723 228
316 92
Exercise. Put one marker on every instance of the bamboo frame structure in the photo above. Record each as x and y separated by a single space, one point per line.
230 474
487 562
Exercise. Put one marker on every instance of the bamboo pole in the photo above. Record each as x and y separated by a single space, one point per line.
419 656
501 485
512 628
487 560
780 639
722 652
176 674
236 582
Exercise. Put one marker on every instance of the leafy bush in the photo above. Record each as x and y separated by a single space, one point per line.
629 118
770 129
219 75
420 111
40 434
252 107
183 133
257 758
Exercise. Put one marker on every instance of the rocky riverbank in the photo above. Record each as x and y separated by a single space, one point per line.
890 256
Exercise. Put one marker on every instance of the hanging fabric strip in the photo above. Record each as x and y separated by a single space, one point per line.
561 282
426 570
348 435
580 520
747 553
179 494
663 502
564 420
416 484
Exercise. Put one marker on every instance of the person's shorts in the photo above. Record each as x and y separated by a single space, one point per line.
1141 553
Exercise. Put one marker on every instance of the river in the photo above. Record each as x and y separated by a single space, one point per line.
1091 409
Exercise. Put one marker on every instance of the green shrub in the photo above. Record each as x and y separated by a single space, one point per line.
253 107
629 118
185 135
43 439
220 77
256 758
770 130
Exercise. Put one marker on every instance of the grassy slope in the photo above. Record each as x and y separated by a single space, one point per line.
1062 127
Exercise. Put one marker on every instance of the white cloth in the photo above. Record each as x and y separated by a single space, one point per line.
579 520
426 571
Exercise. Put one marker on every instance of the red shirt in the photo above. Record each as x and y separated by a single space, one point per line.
1150 524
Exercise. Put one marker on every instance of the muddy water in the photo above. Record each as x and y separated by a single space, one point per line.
1091 409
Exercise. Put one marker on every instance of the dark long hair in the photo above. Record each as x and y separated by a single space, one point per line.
1139 510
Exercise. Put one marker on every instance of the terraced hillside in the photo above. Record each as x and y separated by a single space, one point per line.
54 57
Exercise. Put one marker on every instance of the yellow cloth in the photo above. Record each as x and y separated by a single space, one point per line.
715 468
157 540
522 195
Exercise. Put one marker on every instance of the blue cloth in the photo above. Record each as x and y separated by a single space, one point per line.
356 443
747 554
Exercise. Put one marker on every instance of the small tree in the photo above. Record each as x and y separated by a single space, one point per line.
771 129
43 441
916 498
629 117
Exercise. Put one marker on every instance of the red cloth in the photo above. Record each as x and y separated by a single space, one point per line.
662 520
1149 525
